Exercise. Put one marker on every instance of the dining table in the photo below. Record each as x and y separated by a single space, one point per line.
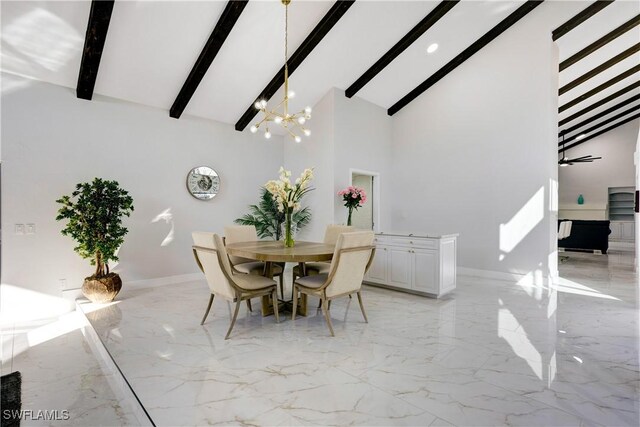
271 252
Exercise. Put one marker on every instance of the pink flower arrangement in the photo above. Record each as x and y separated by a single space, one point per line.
353 198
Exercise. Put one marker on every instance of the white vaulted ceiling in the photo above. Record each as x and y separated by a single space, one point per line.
152 45
591 30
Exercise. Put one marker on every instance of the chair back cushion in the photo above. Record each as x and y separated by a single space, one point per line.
348 267
238 234
212 264
333 231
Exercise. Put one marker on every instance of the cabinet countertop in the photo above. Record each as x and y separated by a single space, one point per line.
420 234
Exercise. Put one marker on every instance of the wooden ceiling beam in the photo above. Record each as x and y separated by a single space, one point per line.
600 103
600 42
504 25
601 114
630 72
599 125
603 131
225 24
416 32
580 18
97 27
314 38
600 68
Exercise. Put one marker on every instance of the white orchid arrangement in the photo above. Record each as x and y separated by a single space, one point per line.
286 194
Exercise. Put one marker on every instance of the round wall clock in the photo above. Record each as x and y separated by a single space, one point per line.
203 183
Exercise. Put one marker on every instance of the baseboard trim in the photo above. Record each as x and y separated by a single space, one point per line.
395 288
622 246
163 281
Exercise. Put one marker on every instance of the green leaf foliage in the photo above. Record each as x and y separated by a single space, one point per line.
94 214
267 219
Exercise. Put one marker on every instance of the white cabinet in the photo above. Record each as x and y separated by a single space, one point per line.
628 231
616 230
378 270
622 231
424 265
399 267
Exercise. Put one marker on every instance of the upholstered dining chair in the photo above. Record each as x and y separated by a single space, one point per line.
331 235
247 233
211 256
352 258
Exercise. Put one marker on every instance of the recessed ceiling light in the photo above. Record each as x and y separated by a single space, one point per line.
432 48
582 135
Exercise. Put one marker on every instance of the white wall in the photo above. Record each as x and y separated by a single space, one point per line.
615 169
362 141
347 134
637 215
51 140
476 154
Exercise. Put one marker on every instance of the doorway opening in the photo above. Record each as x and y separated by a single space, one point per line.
367 216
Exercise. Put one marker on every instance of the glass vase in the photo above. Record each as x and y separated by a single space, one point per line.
289 230
349 217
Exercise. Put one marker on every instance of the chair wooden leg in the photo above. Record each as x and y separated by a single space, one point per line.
282 284
294 301
275 305
329 305
320 303
206 313
362 308
325 308
293 280
235 316
249 305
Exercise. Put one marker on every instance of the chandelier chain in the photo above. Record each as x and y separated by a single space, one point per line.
286 58
289 122
286 35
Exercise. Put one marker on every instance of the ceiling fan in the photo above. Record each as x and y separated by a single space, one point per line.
565 161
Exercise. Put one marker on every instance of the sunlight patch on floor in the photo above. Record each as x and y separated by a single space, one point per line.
65 324
570 287
519 343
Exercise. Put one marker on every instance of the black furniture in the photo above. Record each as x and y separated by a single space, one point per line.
586 236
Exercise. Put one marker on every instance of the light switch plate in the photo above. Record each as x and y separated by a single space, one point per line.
19 229
31 229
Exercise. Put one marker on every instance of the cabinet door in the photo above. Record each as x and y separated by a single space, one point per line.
628 231
378 271
425 271
400 267
616 230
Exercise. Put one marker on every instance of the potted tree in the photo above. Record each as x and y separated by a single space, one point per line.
94 212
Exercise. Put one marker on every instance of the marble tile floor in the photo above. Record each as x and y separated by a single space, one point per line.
493 353
63 374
